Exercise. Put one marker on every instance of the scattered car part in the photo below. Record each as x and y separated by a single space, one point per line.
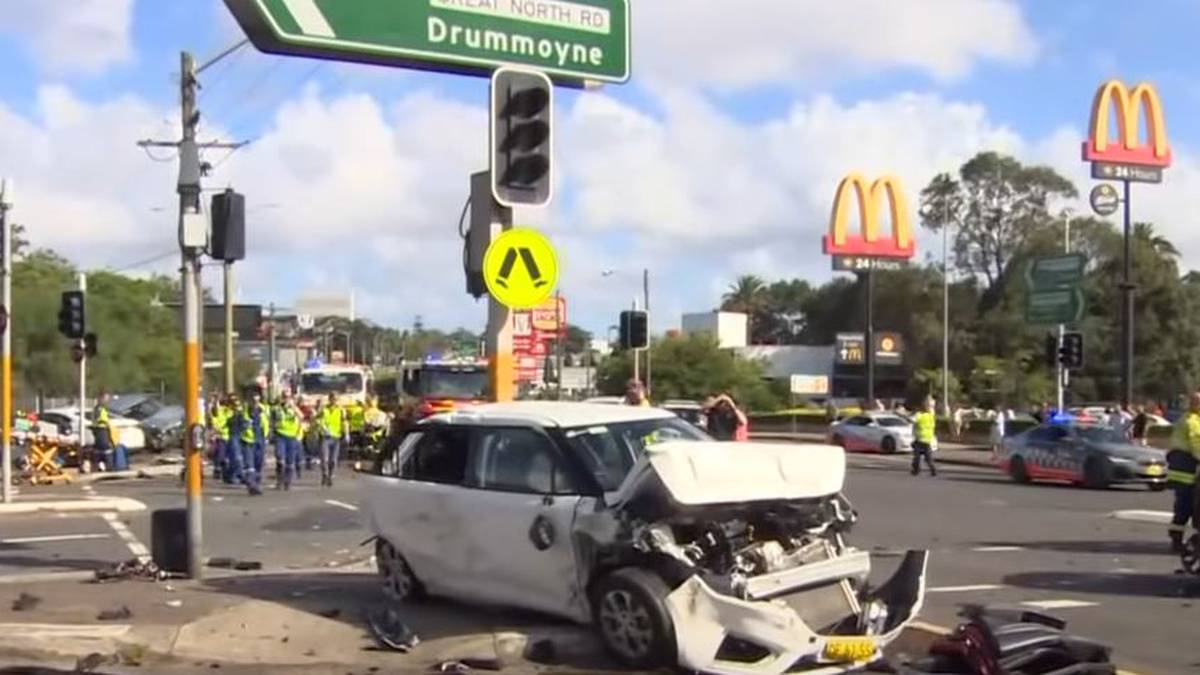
1190 557
134 568
25 601
390 631
119 614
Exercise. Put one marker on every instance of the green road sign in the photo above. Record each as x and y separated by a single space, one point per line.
571 40
1046 308
1056 272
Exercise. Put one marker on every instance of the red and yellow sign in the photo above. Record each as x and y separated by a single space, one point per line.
1127 148
840 241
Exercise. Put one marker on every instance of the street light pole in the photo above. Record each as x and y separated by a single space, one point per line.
945 308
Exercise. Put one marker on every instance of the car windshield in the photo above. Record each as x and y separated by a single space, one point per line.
610 450
891 422
1100 435
331 383
459 384
138 409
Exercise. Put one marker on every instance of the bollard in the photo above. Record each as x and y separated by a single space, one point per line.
168 540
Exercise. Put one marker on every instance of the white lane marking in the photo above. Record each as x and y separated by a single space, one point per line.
997 549
131 542
54 537
341 505
39 577
963 589
1124 570
1141 516
43 630
1059 604
309 17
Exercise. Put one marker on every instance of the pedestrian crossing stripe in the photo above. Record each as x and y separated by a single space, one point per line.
520 268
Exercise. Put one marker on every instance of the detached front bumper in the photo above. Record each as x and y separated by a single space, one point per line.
769 635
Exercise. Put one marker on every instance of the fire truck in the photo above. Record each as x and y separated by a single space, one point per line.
434 386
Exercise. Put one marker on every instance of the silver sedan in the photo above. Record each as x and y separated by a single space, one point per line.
873 432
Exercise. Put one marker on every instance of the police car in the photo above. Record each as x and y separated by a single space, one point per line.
1081 454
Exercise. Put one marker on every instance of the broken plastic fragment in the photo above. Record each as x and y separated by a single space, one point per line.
390 631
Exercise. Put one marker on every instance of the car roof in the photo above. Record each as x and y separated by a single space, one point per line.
549 414
875 414
681 403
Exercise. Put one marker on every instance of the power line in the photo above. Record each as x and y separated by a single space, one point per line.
147 261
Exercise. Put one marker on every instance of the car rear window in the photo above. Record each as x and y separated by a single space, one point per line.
891 422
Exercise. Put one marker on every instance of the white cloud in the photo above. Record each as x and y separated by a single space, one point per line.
84 36
716 43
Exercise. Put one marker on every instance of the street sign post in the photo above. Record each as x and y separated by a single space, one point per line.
810 385
1052 307
889 349
850 348
570 40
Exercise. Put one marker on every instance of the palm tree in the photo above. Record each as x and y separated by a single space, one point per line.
1161 246
747 295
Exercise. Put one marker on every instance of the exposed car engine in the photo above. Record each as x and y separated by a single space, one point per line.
744 541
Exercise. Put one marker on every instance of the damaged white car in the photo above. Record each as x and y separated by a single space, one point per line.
718 557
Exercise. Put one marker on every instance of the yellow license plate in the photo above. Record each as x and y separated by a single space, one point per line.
1154 470
849 649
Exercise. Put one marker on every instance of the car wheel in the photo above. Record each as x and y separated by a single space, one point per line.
634 625
1096 473
1016 469
839 441
85 465
399 582
889 445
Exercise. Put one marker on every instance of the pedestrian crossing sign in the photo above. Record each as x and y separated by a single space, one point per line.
521 268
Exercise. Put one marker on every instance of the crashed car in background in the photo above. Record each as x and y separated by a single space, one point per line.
721 558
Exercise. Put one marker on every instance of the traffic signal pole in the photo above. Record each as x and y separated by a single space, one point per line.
83 371
6 407
228 284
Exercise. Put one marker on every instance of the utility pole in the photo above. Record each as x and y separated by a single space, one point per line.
649 340
193 239
82 371
6 408
228 284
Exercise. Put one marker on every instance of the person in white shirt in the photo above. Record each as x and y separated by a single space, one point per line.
998 430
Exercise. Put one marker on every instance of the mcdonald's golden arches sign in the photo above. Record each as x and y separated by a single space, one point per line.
855 192
1131 105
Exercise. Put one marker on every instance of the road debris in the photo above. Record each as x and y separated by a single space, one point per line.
174 603
145 570
331 613
89 663
25 601
390 631
119 614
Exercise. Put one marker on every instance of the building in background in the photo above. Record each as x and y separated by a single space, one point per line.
728 328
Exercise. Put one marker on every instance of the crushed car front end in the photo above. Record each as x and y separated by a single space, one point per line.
750 543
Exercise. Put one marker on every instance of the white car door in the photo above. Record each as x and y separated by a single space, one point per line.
413 503
517 517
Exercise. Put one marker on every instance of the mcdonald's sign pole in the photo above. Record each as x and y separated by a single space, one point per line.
1128 159
866 251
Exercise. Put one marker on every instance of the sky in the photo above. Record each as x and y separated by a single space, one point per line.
719 157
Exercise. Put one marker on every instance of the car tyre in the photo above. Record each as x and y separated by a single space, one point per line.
1156 487
399 582
1096 474
629 612
1017 469
838 441
889 445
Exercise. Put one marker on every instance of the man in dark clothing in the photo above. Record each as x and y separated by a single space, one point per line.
1141 422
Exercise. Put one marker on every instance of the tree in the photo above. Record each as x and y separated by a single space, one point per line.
994 207
694 368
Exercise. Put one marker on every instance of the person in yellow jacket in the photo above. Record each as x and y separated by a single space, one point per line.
925 437
288 431
1183 464
334 431
218 424
357 421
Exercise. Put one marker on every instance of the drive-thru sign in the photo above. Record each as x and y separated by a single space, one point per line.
570 40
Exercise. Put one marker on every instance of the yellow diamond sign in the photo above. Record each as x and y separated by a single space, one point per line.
521 268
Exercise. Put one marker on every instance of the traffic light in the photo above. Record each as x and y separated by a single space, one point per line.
228 226
89 345
522 112
1051 350
635 332
71 315
1070 354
